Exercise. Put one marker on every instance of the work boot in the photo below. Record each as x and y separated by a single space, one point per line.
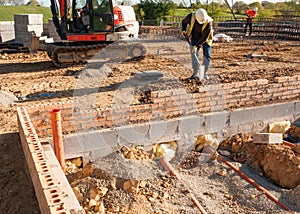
200 73
199 77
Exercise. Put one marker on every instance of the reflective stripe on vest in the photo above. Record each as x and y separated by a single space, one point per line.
209 39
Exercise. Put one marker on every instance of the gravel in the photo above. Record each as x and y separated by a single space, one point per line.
231 194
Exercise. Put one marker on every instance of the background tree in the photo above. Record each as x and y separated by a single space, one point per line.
240 7
256 4
294 5
181 5
33 3
17 2
150 9
4 2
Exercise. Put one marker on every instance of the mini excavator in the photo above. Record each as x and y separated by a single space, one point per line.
87 26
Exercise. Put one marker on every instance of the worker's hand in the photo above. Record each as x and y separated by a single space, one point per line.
194 49
183 33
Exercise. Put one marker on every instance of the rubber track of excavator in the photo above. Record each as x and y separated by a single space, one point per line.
63 56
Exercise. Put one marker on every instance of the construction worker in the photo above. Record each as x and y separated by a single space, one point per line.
197 29
251 15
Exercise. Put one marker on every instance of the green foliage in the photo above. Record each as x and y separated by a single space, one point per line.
154 9
7 12
256 4
267 13
33 3
17 2
180 12
150 9
240 7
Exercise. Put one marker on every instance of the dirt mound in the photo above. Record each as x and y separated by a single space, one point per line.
99 191
276 162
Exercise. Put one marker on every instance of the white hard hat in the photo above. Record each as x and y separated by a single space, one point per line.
201 16
255 9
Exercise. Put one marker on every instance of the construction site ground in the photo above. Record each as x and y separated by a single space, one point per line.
33 79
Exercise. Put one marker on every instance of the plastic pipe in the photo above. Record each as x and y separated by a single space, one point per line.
287 144
256 185
55 118
167 166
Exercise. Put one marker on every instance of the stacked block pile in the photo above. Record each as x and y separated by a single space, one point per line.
50 31
7 31
27 25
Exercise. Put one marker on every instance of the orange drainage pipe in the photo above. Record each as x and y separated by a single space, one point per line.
167 166
287 144
256 185
55 118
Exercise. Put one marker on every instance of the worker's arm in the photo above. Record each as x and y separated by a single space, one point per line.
205 34
186 21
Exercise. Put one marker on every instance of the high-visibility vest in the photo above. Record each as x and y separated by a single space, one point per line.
209 39
251 13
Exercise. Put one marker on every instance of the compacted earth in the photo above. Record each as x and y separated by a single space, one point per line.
28 79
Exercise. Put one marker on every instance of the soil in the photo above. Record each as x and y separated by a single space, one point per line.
33 79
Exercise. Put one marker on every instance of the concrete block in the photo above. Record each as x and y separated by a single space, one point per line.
96 140
259 126
133 134
267 138
191 125
273 111
246 127
37 29
241 116
96 144
6 26
163 131
72 145
29 19
231 130
297 107
22 36
7 36
216 121
24 27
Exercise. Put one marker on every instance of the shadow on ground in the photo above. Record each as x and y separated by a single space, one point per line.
17 192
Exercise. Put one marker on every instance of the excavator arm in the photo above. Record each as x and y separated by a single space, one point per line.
60 26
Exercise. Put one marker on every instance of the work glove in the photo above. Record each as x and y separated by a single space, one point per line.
194 49
183 33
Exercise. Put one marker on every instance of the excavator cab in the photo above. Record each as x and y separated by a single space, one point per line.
83 20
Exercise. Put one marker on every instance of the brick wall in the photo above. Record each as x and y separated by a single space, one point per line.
169 104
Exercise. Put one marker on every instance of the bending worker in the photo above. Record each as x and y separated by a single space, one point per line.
197 28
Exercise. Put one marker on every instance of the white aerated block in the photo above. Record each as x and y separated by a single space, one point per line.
29 19
267 138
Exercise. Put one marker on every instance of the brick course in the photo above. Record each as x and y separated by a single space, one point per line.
169 104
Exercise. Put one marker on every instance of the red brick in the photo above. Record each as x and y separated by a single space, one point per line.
159 100
262 82
154 94
288 92
205 109
251 83
281 79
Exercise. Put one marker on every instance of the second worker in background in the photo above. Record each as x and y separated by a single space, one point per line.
197 29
